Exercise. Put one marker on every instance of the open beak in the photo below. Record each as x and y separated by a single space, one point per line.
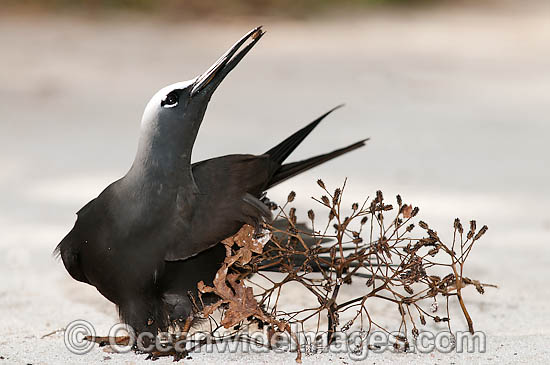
210 80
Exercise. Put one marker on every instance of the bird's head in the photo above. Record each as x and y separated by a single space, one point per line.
172 117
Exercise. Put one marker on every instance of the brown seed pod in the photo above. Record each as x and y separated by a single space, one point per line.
336 196
291 197
481 232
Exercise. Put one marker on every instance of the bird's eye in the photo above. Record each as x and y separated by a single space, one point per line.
170 100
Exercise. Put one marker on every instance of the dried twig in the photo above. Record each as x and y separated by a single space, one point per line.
368 246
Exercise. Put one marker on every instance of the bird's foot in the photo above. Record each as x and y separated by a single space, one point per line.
176 346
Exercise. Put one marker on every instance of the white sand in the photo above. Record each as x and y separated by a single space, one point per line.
456 103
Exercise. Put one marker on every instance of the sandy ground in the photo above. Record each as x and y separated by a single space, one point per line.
455 101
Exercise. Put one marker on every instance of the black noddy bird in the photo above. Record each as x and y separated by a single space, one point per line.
150 236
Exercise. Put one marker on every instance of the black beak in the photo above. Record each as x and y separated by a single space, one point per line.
210 80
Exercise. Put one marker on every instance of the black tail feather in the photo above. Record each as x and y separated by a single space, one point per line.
280 152
291 169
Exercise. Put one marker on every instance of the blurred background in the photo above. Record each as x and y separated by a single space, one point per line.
455 96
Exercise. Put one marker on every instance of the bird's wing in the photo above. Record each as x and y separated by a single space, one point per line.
229 189
69 247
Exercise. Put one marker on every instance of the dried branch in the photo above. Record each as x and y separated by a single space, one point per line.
368 245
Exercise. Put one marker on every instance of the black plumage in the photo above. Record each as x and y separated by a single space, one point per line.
150 236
